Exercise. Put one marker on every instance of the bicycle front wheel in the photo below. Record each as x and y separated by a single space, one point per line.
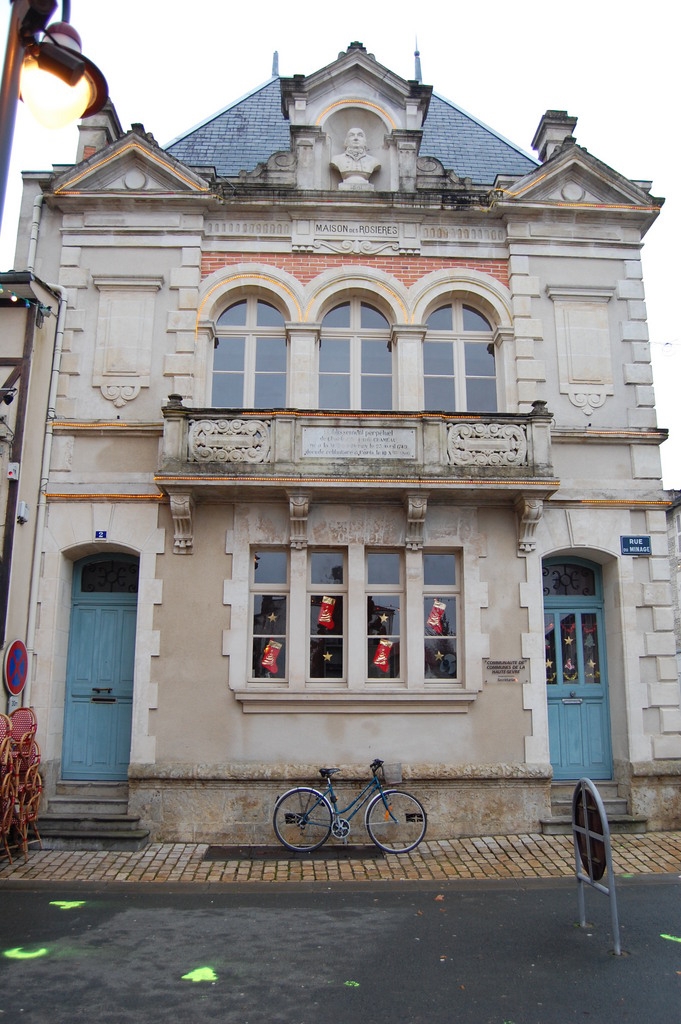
302 819
395 821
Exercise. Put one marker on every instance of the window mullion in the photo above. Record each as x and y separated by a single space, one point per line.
298 640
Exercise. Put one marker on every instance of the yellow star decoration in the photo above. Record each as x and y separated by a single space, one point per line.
439 655
271 617
327 656
549 663
591 664
384 618
568 640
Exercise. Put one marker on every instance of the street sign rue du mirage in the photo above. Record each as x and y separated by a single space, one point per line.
635 545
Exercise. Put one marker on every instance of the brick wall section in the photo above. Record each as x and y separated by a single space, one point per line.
304 266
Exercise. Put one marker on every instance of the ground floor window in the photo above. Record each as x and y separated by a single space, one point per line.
347 618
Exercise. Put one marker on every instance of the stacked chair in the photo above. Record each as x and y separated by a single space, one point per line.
20 782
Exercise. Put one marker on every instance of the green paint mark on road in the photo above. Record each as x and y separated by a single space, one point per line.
19 953
351 984
672 938
201 974
67 904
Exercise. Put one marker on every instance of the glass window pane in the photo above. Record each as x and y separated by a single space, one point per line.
270 355
270 391
474 321
228 390
269 657
334 355
376 357
440 319
235 316
326 658
269 614
481 395
377 393
439 570
440 658
439 394
270 567
109 577
383 567
439 616
479 362
337 317
229 354
326 567
268 316
438 357
566 579
326 615
334 391
370 317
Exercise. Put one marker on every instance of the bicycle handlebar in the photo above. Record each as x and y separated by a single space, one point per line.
375 765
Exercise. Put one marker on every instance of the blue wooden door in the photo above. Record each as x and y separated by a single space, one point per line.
100 670
576 674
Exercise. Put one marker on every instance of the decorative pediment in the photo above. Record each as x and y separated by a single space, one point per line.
357 76
573 177
132 165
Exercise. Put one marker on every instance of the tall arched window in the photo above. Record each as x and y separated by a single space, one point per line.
249 366
355 361
458 361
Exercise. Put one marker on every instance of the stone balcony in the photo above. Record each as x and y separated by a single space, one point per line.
307 455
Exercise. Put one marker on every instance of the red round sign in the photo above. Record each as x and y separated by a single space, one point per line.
16 666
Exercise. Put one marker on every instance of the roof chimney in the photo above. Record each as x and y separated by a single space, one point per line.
554 128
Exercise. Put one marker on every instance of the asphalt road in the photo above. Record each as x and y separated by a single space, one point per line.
407 953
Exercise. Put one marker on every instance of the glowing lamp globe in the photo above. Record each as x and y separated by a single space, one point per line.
58 84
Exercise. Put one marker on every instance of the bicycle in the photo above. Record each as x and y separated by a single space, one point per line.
305 817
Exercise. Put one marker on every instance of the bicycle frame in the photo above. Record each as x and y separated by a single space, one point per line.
373 786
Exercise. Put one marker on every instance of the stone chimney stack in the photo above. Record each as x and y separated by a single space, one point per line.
554 128
98 131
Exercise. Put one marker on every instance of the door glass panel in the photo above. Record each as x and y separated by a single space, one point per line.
109 577
568 648
550 649
592 667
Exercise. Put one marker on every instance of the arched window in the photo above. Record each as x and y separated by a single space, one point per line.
249 366
458 361
355 361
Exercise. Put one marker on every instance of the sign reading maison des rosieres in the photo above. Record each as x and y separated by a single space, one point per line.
359 443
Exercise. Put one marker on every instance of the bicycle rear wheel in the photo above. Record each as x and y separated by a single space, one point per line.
302 819
395 821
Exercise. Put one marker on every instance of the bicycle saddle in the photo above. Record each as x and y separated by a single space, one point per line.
326 772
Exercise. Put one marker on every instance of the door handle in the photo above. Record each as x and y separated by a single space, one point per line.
572 700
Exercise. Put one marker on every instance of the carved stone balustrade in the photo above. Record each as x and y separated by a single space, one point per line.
304 456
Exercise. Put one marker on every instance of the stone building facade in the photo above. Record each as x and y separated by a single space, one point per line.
353 426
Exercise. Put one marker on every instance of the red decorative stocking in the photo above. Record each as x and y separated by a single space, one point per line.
325 617
270 655
382 655
434 620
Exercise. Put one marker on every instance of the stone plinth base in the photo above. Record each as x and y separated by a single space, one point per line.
234 804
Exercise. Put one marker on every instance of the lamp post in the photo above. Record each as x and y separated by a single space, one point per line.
70 81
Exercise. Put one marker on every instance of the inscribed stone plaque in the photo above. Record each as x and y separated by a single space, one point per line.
359 443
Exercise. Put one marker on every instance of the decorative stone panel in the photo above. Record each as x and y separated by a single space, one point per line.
486 444
223 440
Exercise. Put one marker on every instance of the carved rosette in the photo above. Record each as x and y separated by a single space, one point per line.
486 444
223 440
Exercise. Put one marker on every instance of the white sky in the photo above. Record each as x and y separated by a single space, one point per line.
610 63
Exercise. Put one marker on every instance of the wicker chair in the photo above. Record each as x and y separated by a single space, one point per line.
8 804
26 808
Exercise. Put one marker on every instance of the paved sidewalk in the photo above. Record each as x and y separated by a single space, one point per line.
487 857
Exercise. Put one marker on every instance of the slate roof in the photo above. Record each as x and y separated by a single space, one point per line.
249 130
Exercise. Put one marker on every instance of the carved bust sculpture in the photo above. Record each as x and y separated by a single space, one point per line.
355 165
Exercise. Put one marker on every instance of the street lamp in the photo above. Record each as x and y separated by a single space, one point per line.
55 80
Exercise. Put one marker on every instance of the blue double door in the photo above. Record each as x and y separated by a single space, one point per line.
100 670
576 672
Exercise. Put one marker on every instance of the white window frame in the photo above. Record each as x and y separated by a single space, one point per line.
457 338
251 332
355 334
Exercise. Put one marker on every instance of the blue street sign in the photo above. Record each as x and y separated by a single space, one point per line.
635 545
